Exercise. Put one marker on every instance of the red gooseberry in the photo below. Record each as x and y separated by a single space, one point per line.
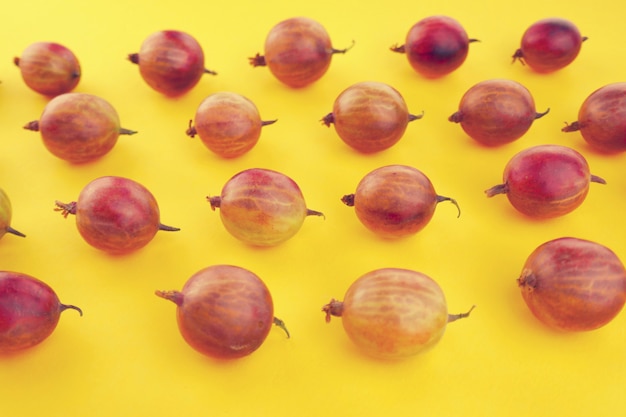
549 45
573 284
49 68
546 181
79 127
115 214
171 62
395 201
29 311
370 116
393 313
228 124
298 52
261 207
224 311
6 212
435 46
496 111
602 118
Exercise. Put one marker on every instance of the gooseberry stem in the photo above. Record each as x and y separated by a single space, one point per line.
64 307
540 115
174 296
455 317
599 180
11 230
416 117
123 131
310 212
166 228
333 308
278 322
441 198
497 189
65 208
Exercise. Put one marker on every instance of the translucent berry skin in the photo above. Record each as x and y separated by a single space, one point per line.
392 313
546 181
496 111
549 45
261 207
228 124
79 127
116 215
436 46
394 201
171 62
602 119
370 116
49 68
224 311
573 285
29 311
298 52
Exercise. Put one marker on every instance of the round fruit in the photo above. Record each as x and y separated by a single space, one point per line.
370 116
115 214
497 111
29 311
261 207
546 181
436 46
224 311
393 313
78 127
171 62
395 201
49 68
602 118
573 285
549 45
228 124
6 212
298 52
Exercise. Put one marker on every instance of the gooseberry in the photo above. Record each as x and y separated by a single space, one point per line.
6 212
395 201
496 111
78 127
261 207
435 46
298 52
171 62
549 45
228 124
49 68
393 313
29 311
602 118
224 311
370 116
115 214
573 284
546 181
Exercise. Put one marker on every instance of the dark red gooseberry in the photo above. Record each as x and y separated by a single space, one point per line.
393 313
171 62
261 207
497 111
546 181
298 52
49 68
602 118
78 127
115 214
549 45
370 116
224 311
29 311
6 212
228 124
573 284
395 201
436 46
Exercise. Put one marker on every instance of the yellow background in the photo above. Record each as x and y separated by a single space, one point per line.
125 357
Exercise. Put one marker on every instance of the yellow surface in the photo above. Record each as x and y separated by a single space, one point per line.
125 357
